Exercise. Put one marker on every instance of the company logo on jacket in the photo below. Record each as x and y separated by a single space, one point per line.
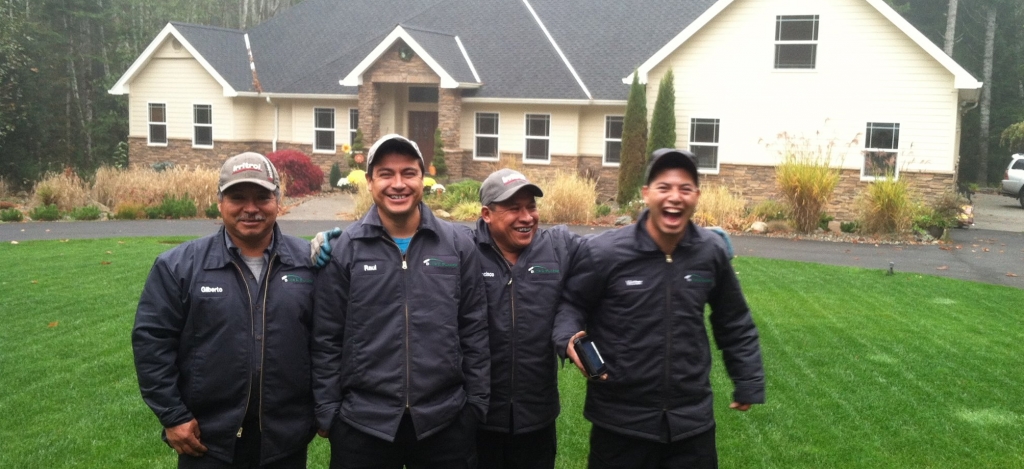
432 262
697 278
539 269
292 278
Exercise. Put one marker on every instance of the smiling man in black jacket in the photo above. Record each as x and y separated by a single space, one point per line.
523 271
222 334
640 291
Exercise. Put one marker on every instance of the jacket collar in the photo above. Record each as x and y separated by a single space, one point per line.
218 256
370 225
646 243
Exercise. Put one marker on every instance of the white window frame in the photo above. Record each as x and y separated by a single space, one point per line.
477 135
864 176
528 137
789 42
608 139
150 123
352 129
196 126
332 129
715 144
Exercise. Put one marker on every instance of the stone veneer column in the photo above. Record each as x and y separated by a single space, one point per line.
449 118
369 112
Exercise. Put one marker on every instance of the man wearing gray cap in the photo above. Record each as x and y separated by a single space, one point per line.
523 270
401 363
640 292
222 333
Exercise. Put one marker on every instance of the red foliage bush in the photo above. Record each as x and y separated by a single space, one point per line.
301 176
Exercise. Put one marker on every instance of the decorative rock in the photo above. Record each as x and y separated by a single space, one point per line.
623 220
758 227
835 226
442 214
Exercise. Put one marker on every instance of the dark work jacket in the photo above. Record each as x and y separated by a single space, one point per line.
521 303
645 312
396 334
195 341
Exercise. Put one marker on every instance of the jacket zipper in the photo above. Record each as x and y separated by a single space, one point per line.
668 326
408 365
512 339
252 326
263 343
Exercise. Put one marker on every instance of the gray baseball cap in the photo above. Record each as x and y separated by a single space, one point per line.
503 184
249 167
391 143
664 158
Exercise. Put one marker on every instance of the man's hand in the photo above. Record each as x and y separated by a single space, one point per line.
739 407
570 352
725 237
320 247
184 438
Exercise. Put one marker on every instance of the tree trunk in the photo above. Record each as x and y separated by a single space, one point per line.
950 39
986 94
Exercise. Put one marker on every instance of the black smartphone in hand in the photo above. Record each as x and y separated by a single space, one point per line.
590 357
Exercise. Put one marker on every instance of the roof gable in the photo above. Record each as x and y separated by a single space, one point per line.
434 48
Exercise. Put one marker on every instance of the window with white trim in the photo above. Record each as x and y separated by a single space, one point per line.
486 136
796 41
538 134
353 125
881 149
612 140
157 123
704 142
202 125
323 129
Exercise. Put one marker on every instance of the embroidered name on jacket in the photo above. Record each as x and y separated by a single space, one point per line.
542 269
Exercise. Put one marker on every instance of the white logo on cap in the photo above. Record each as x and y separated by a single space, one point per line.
512 178
246 167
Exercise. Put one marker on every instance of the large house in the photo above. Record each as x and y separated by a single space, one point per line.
545 82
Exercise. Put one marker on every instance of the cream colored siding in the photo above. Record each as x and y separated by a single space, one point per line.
564 130
179 82
867 71
591 136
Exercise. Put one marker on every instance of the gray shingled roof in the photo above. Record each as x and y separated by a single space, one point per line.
311 46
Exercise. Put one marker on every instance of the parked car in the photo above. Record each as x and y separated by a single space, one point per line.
1013 180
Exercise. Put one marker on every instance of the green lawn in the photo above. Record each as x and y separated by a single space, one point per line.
864 370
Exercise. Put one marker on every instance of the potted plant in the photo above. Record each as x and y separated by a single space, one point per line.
358 155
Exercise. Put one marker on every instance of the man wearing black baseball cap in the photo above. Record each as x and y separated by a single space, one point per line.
401 363
640 293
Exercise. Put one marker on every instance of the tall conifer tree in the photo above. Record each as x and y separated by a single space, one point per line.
634 144
663 121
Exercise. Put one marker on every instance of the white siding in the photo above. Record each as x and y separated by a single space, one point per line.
591 135
867 71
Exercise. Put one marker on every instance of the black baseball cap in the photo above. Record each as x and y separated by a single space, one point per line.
665 158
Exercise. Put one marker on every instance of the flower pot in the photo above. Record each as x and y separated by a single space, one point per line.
935 231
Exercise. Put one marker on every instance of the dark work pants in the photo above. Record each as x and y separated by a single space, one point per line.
610 450
451 448
247 452
533 450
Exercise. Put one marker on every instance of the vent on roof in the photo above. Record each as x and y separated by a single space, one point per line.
175 44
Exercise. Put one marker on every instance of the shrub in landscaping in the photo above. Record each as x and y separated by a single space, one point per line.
949 205
719 207
568 198
129 211
11 214
633 157
46 213
363 198
886 207
304 177
602 210
769 210
335 175
89 212
440 168
145 187
663 118
467 211
823 220
65 190
466 190
806 180
212 211
849 227
173 207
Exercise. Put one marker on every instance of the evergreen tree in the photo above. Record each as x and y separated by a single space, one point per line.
663 121
634 144
440 168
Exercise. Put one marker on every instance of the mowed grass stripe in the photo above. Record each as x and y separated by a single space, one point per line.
864 370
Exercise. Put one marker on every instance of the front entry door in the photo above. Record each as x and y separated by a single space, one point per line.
422 125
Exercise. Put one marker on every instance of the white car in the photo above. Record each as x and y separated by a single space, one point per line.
1013 180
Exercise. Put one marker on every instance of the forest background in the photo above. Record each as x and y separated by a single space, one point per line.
58 58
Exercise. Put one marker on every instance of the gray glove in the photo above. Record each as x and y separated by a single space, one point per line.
320 247
725 237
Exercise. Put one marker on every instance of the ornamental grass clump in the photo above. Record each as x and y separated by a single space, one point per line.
568 198
887 207
145 187
720 207
65 190
806 179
